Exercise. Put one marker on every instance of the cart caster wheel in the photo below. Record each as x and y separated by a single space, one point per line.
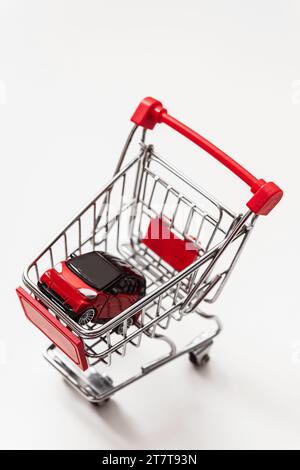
100 403
199 361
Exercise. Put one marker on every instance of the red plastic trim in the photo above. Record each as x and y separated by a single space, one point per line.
266 195
177 252
63 338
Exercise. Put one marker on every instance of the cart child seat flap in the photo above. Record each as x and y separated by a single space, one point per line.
161 239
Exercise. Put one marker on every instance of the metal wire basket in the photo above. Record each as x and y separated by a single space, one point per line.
146 193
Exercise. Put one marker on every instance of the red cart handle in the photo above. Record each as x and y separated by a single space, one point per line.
266 195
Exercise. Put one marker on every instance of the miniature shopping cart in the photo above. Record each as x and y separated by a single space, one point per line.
182 239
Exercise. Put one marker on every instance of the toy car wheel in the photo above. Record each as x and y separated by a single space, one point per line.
120 328
86 317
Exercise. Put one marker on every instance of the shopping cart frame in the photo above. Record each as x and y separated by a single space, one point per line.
188 289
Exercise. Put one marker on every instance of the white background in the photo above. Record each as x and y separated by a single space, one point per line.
71 74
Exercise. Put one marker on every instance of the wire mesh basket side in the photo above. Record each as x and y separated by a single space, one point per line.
115 222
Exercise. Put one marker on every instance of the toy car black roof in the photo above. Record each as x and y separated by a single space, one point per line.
94 269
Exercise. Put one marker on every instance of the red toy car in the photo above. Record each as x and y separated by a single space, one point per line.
93 287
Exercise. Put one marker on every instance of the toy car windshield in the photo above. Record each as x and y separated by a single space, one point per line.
95 270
